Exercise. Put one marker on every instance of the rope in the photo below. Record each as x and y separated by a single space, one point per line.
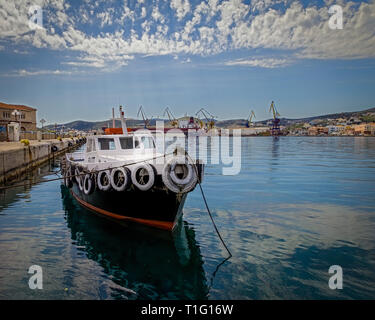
214 224
208 209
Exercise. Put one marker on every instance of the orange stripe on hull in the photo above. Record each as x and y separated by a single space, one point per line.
152 223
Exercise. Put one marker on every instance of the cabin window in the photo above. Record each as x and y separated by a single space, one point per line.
90 145
136 143
126 143
148 142
106 144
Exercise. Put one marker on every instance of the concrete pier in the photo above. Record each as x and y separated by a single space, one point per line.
16 159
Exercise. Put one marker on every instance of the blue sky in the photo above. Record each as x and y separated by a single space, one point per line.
228 56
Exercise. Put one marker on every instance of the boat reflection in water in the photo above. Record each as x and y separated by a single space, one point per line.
145 264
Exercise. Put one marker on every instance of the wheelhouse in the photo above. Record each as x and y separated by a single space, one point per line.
120 143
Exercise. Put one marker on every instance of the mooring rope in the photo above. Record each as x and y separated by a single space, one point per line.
214 224
207 207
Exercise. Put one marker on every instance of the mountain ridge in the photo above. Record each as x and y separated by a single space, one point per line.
83 125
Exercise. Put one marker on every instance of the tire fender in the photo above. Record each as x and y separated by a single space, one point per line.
126 181
88 184
102 175
151 174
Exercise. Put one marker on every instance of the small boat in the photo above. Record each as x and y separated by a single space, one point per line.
125 178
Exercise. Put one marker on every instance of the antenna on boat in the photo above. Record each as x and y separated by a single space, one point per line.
123 123
113 118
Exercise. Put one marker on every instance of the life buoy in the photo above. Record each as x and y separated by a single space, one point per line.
179 175
88 184
143 176
104 180
120 179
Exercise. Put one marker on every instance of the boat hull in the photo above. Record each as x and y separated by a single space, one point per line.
156 208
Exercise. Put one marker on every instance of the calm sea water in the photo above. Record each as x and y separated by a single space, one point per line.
299 205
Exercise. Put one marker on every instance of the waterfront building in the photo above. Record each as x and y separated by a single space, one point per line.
364 129
314 131
349 130
333 129
253 131
24 115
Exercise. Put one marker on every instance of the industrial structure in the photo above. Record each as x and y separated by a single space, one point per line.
172 120
249 119
144 117
275 129
210 119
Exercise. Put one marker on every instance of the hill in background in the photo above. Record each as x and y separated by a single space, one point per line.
231 123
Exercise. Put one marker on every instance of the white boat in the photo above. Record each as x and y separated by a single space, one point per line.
125 178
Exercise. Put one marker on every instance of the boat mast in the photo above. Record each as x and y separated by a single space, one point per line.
123 123
113 118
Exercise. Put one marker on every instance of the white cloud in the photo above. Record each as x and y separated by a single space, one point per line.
143 12
263 63
306 31
182 7
128 14
27 73
187 60
106 17
207 28
157 16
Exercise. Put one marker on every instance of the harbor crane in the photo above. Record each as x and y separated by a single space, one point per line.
210 122
144 117
172 120
275 129
200 123
250 117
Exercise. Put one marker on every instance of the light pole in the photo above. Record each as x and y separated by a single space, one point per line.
16 113
42 121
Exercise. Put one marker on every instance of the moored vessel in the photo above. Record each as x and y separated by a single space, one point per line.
125 178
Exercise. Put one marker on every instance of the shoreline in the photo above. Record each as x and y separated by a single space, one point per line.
17 159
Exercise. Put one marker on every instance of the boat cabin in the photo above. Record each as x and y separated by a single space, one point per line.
119 143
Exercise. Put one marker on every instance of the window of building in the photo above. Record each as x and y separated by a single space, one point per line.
6 114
